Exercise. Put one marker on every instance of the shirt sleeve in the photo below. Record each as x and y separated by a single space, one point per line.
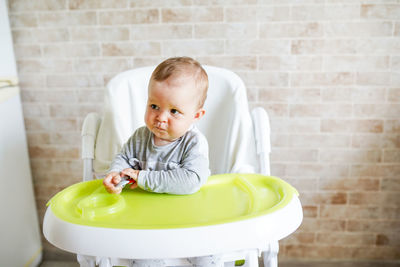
122 160
187 178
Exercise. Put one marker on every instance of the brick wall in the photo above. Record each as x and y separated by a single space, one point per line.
327 72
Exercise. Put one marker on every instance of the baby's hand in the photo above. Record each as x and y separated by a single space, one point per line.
110 182
131 173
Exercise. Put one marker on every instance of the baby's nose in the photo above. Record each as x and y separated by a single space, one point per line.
162 117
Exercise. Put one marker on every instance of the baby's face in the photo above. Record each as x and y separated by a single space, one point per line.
172 107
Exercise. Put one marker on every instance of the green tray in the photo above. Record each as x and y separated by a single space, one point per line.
224 198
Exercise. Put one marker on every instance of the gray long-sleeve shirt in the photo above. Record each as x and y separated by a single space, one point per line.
180 167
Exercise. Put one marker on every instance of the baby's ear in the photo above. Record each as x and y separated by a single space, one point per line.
200 113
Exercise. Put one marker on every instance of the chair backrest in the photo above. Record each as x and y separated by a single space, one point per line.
227 124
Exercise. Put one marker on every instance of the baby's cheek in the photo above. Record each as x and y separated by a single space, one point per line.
147 118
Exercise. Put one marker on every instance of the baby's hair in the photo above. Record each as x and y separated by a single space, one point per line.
183 65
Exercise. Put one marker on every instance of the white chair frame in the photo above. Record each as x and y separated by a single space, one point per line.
270 249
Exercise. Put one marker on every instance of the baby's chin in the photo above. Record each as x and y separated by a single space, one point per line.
161 141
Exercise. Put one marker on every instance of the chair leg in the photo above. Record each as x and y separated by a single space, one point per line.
270 257
104 262
86 261
251 259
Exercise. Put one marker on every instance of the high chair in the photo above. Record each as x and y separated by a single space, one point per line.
239 142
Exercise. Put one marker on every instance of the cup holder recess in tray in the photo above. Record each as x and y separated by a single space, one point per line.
99 205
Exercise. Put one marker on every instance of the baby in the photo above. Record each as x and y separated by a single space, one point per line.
169 154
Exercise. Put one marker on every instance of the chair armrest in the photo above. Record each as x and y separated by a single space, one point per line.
262 132
90 128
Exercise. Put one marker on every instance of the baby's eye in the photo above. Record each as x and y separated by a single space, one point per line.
174 111
154 106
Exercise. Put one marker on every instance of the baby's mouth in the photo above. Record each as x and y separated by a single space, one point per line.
161 129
